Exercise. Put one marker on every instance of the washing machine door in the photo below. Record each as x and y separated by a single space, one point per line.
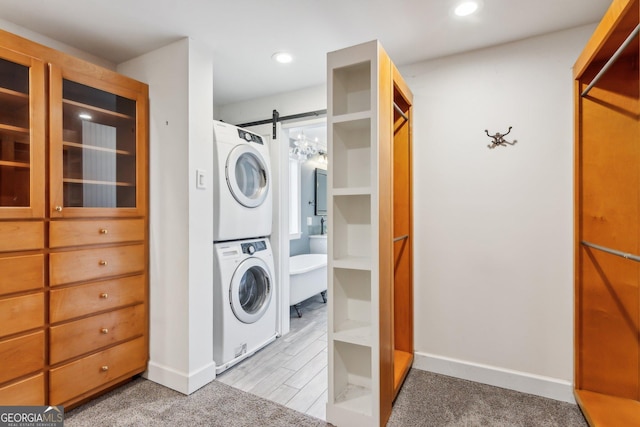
247 175
250 290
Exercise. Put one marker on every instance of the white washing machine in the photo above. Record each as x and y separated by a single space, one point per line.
244 302
242 201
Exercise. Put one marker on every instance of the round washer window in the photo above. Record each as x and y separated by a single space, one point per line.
250 292
247 176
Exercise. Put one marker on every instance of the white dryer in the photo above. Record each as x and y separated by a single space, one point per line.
242 180
244 302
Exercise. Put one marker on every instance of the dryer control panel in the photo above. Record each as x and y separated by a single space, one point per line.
253 247
250 137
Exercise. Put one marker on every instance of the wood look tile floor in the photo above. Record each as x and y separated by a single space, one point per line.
292 370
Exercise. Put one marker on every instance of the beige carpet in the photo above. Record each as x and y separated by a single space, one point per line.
426 399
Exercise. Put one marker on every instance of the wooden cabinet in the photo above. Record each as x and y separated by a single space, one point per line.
607 218
73 226
370 281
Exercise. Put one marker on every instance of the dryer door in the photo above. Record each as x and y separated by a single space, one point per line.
247 175
251 289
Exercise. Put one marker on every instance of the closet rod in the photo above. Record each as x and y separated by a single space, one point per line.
399 110
397 239
613 59
612 251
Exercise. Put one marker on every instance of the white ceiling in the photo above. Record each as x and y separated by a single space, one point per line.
243 34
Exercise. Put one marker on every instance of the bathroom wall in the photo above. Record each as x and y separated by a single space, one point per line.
307 207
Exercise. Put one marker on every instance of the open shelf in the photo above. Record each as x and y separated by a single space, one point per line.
352 154
352 88
352 306
66 144
15 164
352 221
352 377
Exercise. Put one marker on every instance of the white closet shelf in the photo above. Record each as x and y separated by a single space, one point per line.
353 263
355 398
353 332
352 117
352 191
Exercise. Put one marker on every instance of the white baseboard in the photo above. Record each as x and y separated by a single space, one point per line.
538 385
179 381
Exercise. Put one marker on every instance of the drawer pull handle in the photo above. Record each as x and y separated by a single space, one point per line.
102 263
104 231
105 368
104 331
58 208
104 296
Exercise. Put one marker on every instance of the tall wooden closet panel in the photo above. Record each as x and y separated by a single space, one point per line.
607 297
370 281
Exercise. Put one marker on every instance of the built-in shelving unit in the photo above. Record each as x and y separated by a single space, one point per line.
361 256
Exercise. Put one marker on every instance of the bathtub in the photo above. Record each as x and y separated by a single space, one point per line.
307 277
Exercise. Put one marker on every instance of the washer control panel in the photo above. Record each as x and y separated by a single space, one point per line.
250 137
253 247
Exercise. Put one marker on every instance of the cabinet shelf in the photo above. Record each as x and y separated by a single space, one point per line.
601 409
356 399
67 144
99 115
14 130
15 164
351 117
106 183
352 377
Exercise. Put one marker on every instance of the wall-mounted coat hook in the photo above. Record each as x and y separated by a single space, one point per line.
498 139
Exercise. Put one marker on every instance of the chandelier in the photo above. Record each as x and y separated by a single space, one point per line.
304 148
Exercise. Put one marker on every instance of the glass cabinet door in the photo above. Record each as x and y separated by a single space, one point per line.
94 147
22 107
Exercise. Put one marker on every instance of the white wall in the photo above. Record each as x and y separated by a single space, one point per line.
493 249
181 227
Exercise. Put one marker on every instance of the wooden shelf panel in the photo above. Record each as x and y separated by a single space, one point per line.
67 144
602 410
101 111
15 164
88 181
15 130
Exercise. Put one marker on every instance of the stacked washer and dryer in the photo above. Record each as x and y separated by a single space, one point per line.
244 288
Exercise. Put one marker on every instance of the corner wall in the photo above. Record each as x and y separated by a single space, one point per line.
181 227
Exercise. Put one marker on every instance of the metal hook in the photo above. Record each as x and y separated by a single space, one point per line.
498 139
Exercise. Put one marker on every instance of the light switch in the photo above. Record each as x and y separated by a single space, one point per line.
309 220
200 179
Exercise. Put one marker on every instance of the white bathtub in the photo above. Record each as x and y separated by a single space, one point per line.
307 277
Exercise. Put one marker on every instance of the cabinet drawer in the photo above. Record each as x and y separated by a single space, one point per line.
91 264
22 273
67 303
78 232
21 235
21 313
85 335
28 392
91 372
22 355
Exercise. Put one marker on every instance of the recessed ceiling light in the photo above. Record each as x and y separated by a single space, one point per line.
466 8
282 57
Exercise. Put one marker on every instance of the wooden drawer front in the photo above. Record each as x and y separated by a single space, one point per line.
21 313
21 356
21 236
91 372
29 392
85 335
75 233
68 303
22 273
91 264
